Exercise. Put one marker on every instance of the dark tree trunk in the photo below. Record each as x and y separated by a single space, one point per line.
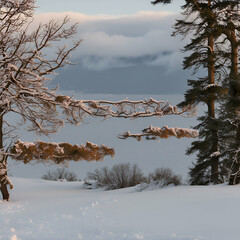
234 95
3 164
4 192
235 169
211 108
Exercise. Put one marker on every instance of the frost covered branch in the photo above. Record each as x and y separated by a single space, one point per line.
58 153
153 133
127 108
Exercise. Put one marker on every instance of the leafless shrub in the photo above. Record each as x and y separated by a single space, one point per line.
101 177
123 175
60 175
120 176
164 177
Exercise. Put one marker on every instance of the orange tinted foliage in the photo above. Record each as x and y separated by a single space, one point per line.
59 153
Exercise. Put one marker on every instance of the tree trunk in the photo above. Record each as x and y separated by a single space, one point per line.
215 158
211 109
3 165
234 95
235 169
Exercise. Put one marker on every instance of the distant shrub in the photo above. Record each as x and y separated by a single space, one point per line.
120 176
60 175
164 177
125 175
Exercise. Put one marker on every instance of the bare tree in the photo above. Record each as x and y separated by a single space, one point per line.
26 68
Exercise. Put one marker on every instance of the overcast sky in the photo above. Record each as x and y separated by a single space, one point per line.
123 40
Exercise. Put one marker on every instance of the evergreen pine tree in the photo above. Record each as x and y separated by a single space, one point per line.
200 21
215 26
228 24
208 167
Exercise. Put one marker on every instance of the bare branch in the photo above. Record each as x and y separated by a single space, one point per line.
126 108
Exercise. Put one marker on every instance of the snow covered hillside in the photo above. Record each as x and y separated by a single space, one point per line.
41 210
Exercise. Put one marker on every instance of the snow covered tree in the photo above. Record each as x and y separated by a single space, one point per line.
200 21
214 26
225 30
25 68
25 71
228 25
203 90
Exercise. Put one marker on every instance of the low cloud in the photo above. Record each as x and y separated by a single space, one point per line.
120 41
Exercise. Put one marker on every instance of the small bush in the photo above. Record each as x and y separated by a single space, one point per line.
123 175
120 176
60 175
164 177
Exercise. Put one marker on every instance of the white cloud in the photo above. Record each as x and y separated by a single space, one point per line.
74 16
80 17
110 38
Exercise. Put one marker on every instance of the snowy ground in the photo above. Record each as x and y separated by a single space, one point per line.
41 210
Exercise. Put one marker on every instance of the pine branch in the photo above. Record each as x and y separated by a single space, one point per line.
58 153
154 133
